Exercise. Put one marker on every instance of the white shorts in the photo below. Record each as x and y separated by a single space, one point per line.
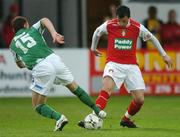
130 75
50 71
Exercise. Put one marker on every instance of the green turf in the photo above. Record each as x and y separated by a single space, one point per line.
160 117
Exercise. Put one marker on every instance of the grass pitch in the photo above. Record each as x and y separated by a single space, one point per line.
159 117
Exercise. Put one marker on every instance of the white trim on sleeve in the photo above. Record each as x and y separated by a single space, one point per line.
38 26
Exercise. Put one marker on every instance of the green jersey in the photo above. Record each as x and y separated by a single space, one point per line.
29 46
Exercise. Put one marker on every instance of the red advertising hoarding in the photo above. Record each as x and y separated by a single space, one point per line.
158 78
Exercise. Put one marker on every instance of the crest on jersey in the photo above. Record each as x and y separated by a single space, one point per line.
123 32
111 70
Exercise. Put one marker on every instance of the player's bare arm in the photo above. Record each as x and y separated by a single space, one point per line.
55 36
18 61
20 64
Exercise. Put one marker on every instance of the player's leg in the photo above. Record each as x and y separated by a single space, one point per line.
43 77
106 90
65 77
112 77
135 85
136 103
133 108
85 98
37 100
39 104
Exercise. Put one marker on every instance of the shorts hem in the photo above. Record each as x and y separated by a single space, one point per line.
130 90
117 85
65 84
39 92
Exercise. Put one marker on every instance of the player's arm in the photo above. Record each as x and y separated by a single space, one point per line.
18 61
46 23
96 36
147 35
20 64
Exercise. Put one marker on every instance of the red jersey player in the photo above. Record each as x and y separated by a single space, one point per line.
121 66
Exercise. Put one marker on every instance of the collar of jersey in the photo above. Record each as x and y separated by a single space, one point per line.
20 31
129 23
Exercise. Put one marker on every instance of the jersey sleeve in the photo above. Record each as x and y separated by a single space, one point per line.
145 34
39 27
97 34
102 29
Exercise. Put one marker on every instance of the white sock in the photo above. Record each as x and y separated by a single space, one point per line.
127 115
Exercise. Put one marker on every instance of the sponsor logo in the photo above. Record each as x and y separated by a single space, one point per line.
38 87
123 44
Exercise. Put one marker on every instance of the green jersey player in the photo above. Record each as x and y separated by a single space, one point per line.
31 51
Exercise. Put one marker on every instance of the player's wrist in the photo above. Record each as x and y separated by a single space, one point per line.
164 55
53 32
93 49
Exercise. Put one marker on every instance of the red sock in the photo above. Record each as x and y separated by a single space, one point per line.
134 107
102 99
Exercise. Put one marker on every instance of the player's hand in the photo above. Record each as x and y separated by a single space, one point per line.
97 53
168 61
58 38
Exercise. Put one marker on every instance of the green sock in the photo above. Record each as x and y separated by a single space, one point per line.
48 112
85 98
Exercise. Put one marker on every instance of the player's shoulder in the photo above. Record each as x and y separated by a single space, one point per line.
134 23
112 21
32 31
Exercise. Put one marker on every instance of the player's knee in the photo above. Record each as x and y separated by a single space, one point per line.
138 96
108 85
139 100
72 86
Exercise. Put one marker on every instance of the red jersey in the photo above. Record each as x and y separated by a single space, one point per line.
122 42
